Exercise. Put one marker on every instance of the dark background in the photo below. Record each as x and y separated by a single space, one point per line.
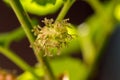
109 66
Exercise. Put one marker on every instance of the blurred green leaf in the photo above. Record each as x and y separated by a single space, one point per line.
74 68
44 2
73 46
28 76
40 7
72 30
117 12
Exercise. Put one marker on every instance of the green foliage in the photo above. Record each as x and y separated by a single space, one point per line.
7 38
73 68
62 67
117 12
38 9
59 36
44 2
28 76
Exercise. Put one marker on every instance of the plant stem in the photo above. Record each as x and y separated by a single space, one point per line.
17 60
95 4
86 44
23 18
27 25
8 37
65 9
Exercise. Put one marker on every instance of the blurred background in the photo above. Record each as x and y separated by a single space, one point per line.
109 64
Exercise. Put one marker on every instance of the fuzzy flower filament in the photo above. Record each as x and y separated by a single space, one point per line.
52 37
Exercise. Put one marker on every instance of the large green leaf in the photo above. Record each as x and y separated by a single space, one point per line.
40 7
44 2
74 68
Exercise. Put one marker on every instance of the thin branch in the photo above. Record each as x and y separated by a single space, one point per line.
66 7
95 4
15 35
17 60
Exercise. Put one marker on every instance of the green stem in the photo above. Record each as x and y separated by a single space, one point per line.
17 60
27 25
8 37
23 18
65 9
95 4
86 44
